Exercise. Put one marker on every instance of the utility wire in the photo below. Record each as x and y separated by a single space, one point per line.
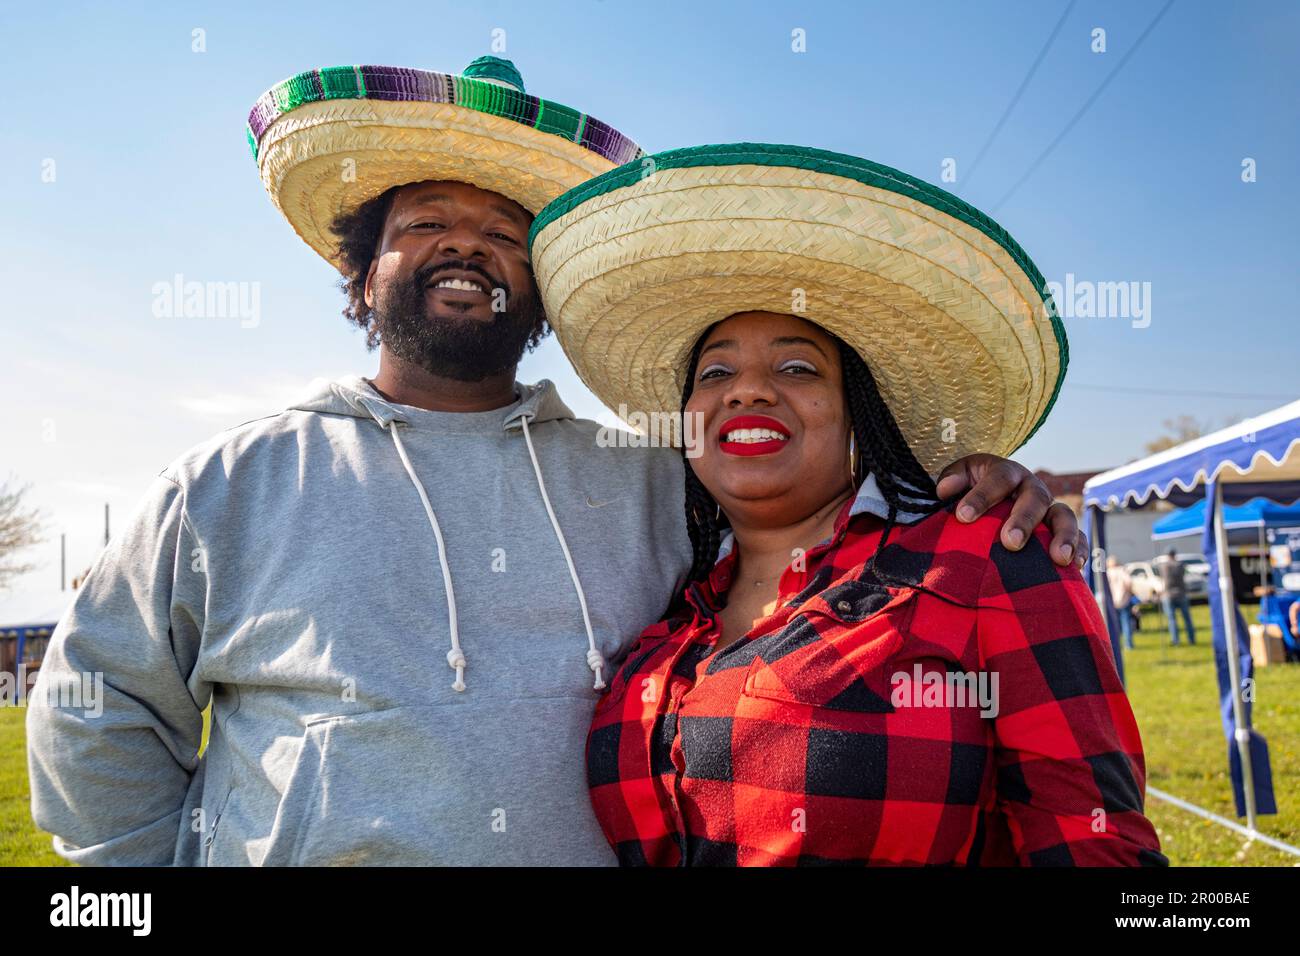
1083 109
1024 84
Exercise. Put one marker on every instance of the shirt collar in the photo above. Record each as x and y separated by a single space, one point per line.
868 500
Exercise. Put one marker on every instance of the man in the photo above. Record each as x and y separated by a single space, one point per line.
1121 594
1174 596
401 596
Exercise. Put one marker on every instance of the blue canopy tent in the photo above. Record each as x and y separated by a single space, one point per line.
1253 526
1257 458
1256 514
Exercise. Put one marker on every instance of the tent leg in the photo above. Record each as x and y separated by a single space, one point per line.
1229 604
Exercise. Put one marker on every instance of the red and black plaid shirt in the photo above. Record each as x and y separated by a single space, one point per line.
812 740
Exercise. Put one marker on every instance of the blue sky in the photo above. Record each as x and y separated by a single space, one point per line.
153 177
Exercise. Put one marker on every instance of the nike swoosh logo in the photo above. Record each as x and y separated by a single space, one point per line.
593 504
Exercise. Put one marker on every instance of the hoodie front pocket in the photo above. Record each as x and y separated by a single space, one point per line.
489 782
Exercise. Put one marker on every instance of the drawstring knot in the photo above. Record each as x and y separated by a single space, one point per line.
597 664
456 658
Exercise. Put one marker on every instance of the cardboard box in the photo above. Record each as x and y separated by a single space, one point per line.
1266 645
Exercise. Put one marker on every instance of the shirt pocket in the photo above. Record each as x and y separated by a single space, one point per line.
835 655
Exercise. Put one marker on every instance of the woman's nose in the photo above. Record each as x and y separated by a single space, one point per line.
749 387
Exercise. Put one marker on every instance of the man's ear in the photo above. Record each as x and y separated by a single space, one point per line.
370 275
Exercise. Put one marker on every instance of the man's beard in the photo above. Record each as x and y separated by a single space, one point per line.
449 344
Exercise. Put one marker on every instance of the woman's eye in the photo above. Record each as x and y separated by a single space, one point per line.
798 366
426 225
714 371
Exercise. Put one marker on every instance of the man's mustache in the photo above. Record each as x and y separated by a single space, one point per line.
425 274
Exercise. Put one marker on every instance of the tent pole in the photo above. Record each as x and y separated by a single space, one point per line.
1263 563
1229 602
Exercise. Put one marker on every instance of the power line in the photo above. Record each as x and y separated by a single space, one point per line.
1180 393
1083 109
1020 92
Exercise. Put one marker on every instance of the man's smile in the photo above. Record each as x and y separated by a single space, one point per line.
461 285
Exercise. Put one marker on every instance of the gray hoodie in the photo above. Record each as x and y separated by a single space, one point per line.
319 575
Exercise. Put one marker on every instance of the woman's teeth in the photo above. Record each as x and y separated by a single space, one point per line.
752 435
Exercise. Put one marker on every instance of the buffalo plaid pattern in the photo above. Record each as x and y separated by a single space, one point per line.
823 736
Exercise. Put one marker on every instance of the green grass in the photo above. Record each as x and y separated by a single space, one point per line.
1174 696
21 844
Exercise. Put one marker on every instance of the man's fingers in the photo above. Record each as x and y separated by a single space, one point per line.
997 484
1065 534
1030 508
952 482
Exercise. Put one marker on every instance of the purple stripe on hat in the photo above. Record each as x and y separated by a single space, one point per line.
402 84
396 83
264 113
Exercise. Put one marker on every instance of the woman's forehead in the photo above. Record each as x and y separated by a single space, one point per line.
769 328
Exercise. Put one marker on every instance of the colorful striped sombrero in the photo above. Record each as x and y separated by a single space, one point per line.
327 140
948 311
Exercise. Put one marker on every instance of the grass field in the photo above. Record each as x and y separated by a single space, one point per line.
1175 699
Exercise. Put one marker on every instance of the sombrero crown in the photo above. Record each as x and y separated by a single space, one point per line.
948 311
327 140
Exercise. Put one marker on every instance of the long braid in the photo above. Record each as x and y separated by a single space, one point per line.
880 446
702 514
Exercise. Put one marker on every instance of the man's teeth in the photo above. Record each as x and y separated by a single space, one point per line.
750 435
460 284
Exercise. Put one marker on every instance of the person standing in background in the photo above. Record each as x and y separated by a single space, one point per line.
1121 593
1175 596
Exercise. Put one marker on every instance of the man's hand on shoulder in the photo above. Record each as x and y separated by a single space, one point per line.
988 479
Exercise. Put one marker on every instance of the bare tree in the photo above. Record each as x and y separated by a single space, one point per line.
1180 429
20 528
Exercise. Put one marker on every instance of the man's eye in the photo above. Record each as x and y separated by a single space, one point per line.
502 235
426 225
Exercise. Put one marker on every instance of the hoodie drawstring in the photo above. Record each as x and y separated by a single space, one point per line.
455 656
594 659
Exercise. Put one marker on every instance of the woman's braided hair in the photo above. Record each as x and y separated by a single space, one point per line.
879 444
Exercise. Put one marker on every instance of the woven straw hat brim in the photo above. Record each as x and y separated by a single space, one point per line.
945 308
323 157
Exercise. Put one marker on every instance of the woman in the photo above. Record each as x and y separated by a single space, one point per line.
851 675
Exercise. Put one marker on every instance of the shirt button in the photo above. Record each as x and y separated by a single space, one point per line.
843 607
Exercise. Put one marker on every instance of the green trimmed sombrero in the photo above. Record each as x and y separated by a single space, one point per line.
948 311
327 140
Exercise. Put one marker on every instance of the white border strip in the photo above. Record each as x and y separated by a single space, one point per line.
1253 835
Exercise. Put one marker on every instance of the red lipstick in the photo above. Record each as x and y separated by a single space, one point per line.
748 448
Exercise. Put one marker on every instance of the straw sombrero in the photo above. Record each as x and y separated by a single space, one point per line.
327 140
947 310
